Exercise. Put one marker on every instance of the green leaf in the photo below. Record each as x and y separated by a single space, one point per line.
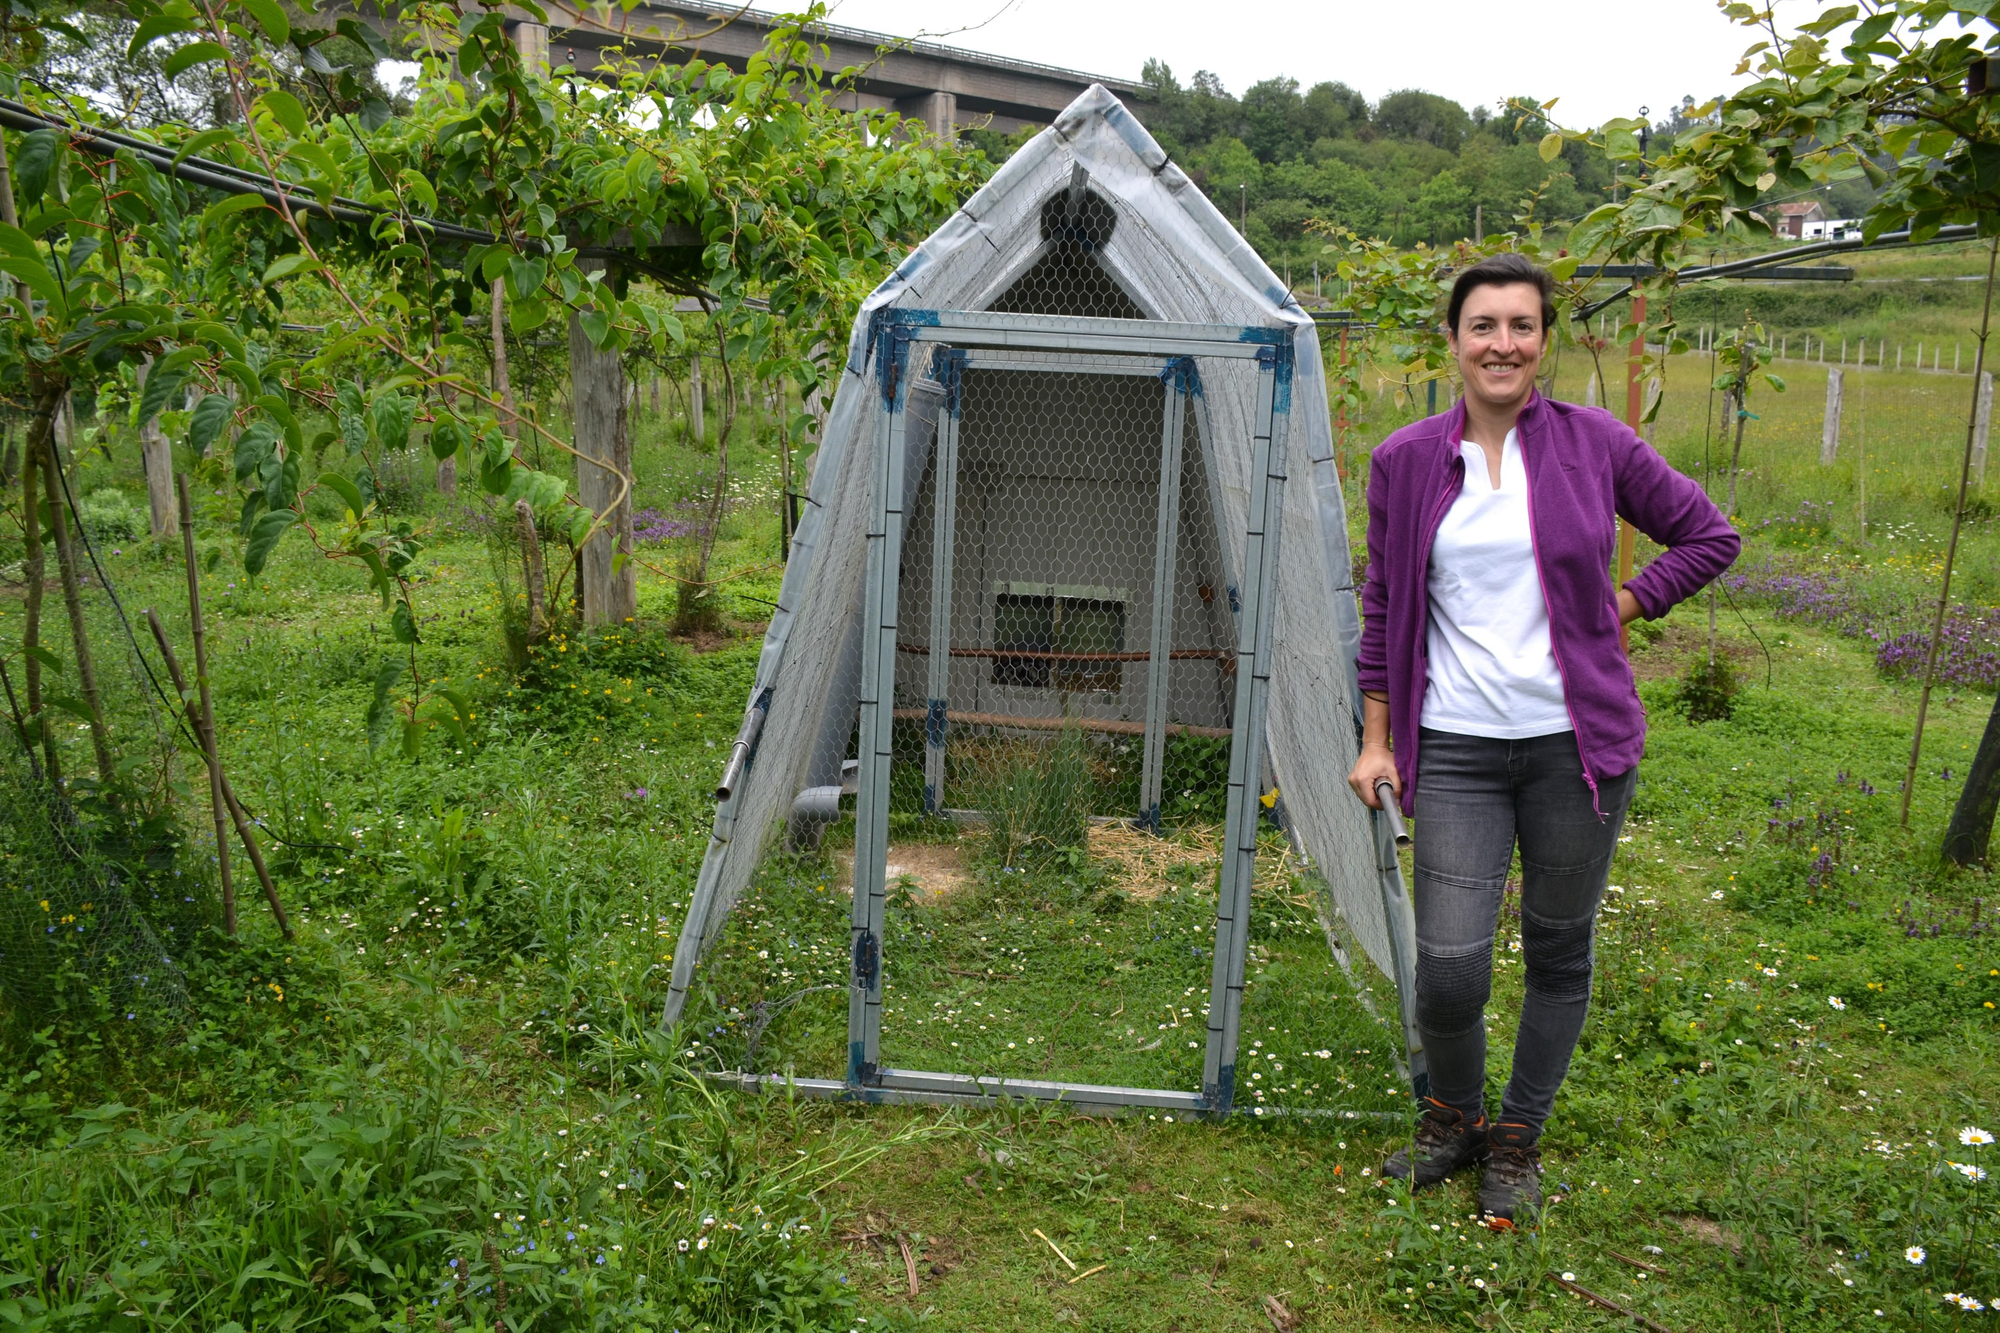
596 327
378 575
161 382
461 705
286 265
45 657
205 423
285 109
346 490
380 711
393 414
201 143
69 705
270 18
447 438
253 446
264 538
194 53
36 277
413 181
154 28
525 275
402 625
281 481
527 315
412 738
235 203
35 164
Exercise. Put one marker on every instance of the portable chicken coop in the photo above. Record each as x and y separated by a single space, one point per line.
1076 497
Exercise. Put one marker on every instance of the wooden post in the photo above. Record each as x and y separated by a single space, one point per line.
1829 435
205 727
218 778
157 457
607 577
1982 426
1634 410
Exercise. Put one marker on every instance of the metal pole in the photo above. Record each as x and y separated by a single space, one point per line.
944 531
878 685
1246 754
1166 549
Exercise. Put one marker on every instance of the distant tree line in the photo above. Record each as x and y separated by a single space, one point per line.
1415 167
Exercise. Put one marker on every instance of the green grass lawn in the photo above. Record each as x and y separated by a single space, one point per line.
457 1060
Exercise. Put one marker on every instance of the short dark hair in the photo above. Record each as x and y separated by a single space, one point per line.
1503 270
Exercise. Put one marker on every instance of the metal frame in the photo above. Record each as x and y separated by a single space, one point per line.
969 339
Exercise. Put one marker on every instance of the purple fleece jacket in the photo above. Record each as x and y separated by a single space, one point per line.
1584 465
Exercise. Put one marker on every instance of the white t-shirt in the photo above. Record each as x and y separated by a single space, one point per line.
1492 671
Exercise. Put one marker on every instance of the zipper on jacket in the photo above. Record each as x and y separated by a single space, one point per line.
1535 553
1456 468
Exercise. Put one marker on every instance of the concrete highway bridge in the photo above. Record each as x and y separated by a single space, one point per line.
945 88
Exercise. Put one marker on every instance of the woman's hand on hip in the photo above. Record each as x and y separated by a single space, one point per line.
1376 763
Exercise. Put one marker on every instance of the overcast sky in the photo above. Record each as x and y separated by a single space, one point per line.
1601 59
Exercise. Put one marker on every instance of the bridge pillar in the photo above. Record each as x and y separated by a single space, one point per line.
937 110
532 41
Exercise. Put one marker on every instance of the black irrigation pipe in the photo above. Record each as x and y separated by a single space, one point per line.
1735 267
230 179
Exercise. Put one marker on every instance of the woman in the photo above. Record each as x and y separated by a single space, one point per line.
1500 706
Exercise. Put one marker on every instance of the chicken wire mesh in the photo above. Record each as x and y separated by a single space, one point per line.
99 894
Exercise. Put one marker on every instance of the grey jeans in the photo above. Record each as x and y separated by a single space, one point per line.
1476 799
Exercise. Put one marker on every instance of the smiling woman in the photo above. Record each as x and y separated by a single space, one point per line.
1491 643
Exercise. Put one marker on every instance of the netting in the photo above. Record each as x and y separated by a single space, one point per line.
101 891
1033 700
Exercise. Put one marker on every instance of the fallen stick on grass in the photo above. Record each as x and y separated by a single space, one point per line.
1605 1302
1636 1263
909 1262
1058 1249
1087 1272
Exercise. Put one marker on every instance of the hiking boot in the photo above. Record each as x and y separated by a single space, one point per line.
1446 1142
1510 1194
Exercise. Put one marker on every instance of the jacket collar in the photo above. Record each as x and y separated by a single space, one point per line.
1452 435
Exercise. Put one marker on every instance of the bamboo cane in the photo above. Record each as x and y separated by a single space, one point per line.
219 776
1951 547
72 588
205 725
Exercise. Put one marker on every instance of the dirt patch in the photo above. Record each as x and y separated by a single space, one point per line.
1668 656
1139 863
934 870
1703 1229
715 641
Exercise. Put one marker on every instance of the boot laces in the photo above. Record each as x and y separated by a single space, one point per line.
1439 1127
1514 1164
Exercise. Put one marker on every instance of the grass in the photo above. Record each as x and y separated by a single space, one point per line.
456 1058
